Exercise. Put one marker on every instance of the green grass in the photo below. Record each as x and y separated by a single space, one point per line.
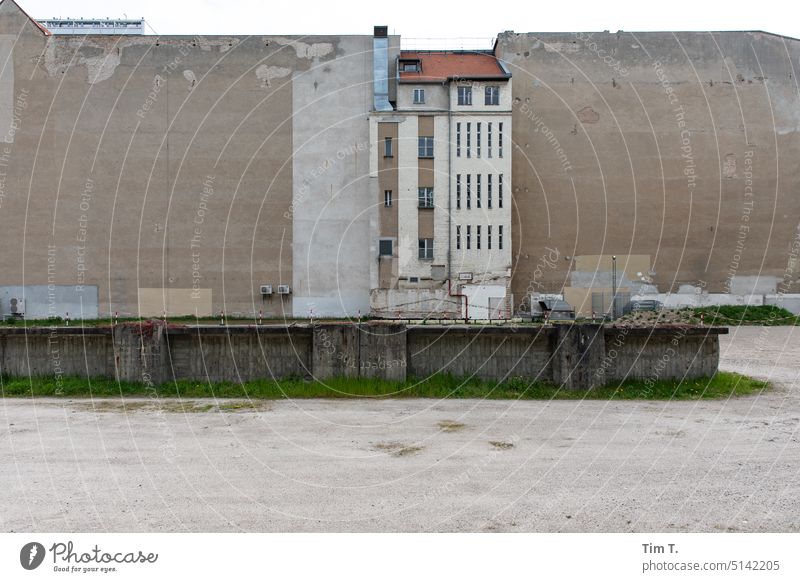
744 315
722 385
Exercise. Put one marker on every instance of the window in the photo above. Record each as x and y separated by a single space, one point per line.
458 191
499 140
478 140
469 139
489 237
410 66
469 237
425 197
478 192
458 237
488 191
469 192
387 198
425 147
387 147
478 237
426 248
458 140
500 191
489 139
492 95
419 96
413 279
385 247
465 95
500 237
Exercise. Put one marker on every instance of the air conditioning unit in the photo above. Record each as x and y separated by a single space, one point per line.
266 289
16 306
284 290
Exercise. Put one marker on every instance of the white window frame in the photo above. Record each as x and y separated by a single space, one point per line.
419 96
464 95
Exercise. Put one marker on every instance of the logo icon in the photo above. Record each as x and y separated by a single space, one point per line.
31 555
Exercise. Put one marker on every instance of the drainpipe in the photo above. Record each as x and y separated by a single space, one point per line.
449 186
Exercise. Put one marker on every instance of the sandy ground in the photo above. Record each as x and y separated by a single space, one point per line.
415 465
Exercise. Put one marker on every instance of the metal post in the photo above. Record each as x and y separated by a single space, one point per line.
614 286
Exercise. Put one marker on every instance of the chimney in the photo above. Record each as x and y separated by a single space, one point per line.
380 69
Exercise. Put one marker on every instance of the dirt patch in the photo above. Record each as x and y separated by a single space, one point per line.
451 426
501 445
168 406
397 449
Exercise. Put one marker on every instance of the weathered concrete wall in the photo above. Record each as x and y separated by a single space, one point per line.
488 353
680 352
239 355
674 151
56 352
172 163
572 356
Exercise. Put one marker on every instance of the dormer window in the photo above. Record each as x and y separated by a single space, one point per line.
410 66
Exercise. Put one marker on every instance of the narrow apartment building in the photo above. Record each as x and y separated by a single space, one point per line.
441 167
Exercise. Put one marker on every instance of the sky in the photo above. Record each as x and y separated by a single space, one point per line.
431 19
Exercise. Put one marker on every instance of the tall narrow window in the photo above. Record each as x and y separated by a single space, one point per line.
387 147
492 95
488 190
419 96
426 248
465 95
478 139
425 146
425 197
469 237
469 192
458 140
458 237
478 191
489 237
478 237
387 198
489 139
469 140
500 191
499 140
458 191
500 237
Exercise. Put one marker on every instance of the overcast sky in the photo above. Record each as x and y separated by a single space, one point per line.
432 18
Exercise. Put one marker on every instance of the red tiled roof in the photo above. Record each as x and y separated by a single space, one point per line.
439 66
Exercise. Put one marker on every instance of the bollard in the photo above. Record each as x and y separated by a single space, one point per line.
260 316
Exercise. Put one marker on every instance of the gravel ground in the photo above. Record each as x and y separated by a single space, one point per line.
415 465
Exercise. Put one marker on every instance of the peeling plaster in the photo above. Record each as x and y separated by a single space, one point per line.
265 73
305 50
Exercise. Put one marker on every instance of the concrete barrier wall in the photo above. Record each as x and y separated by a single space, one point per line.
490 354
573 356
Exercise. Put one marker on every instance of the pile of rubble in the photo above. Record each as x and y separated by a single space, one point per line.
664 316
